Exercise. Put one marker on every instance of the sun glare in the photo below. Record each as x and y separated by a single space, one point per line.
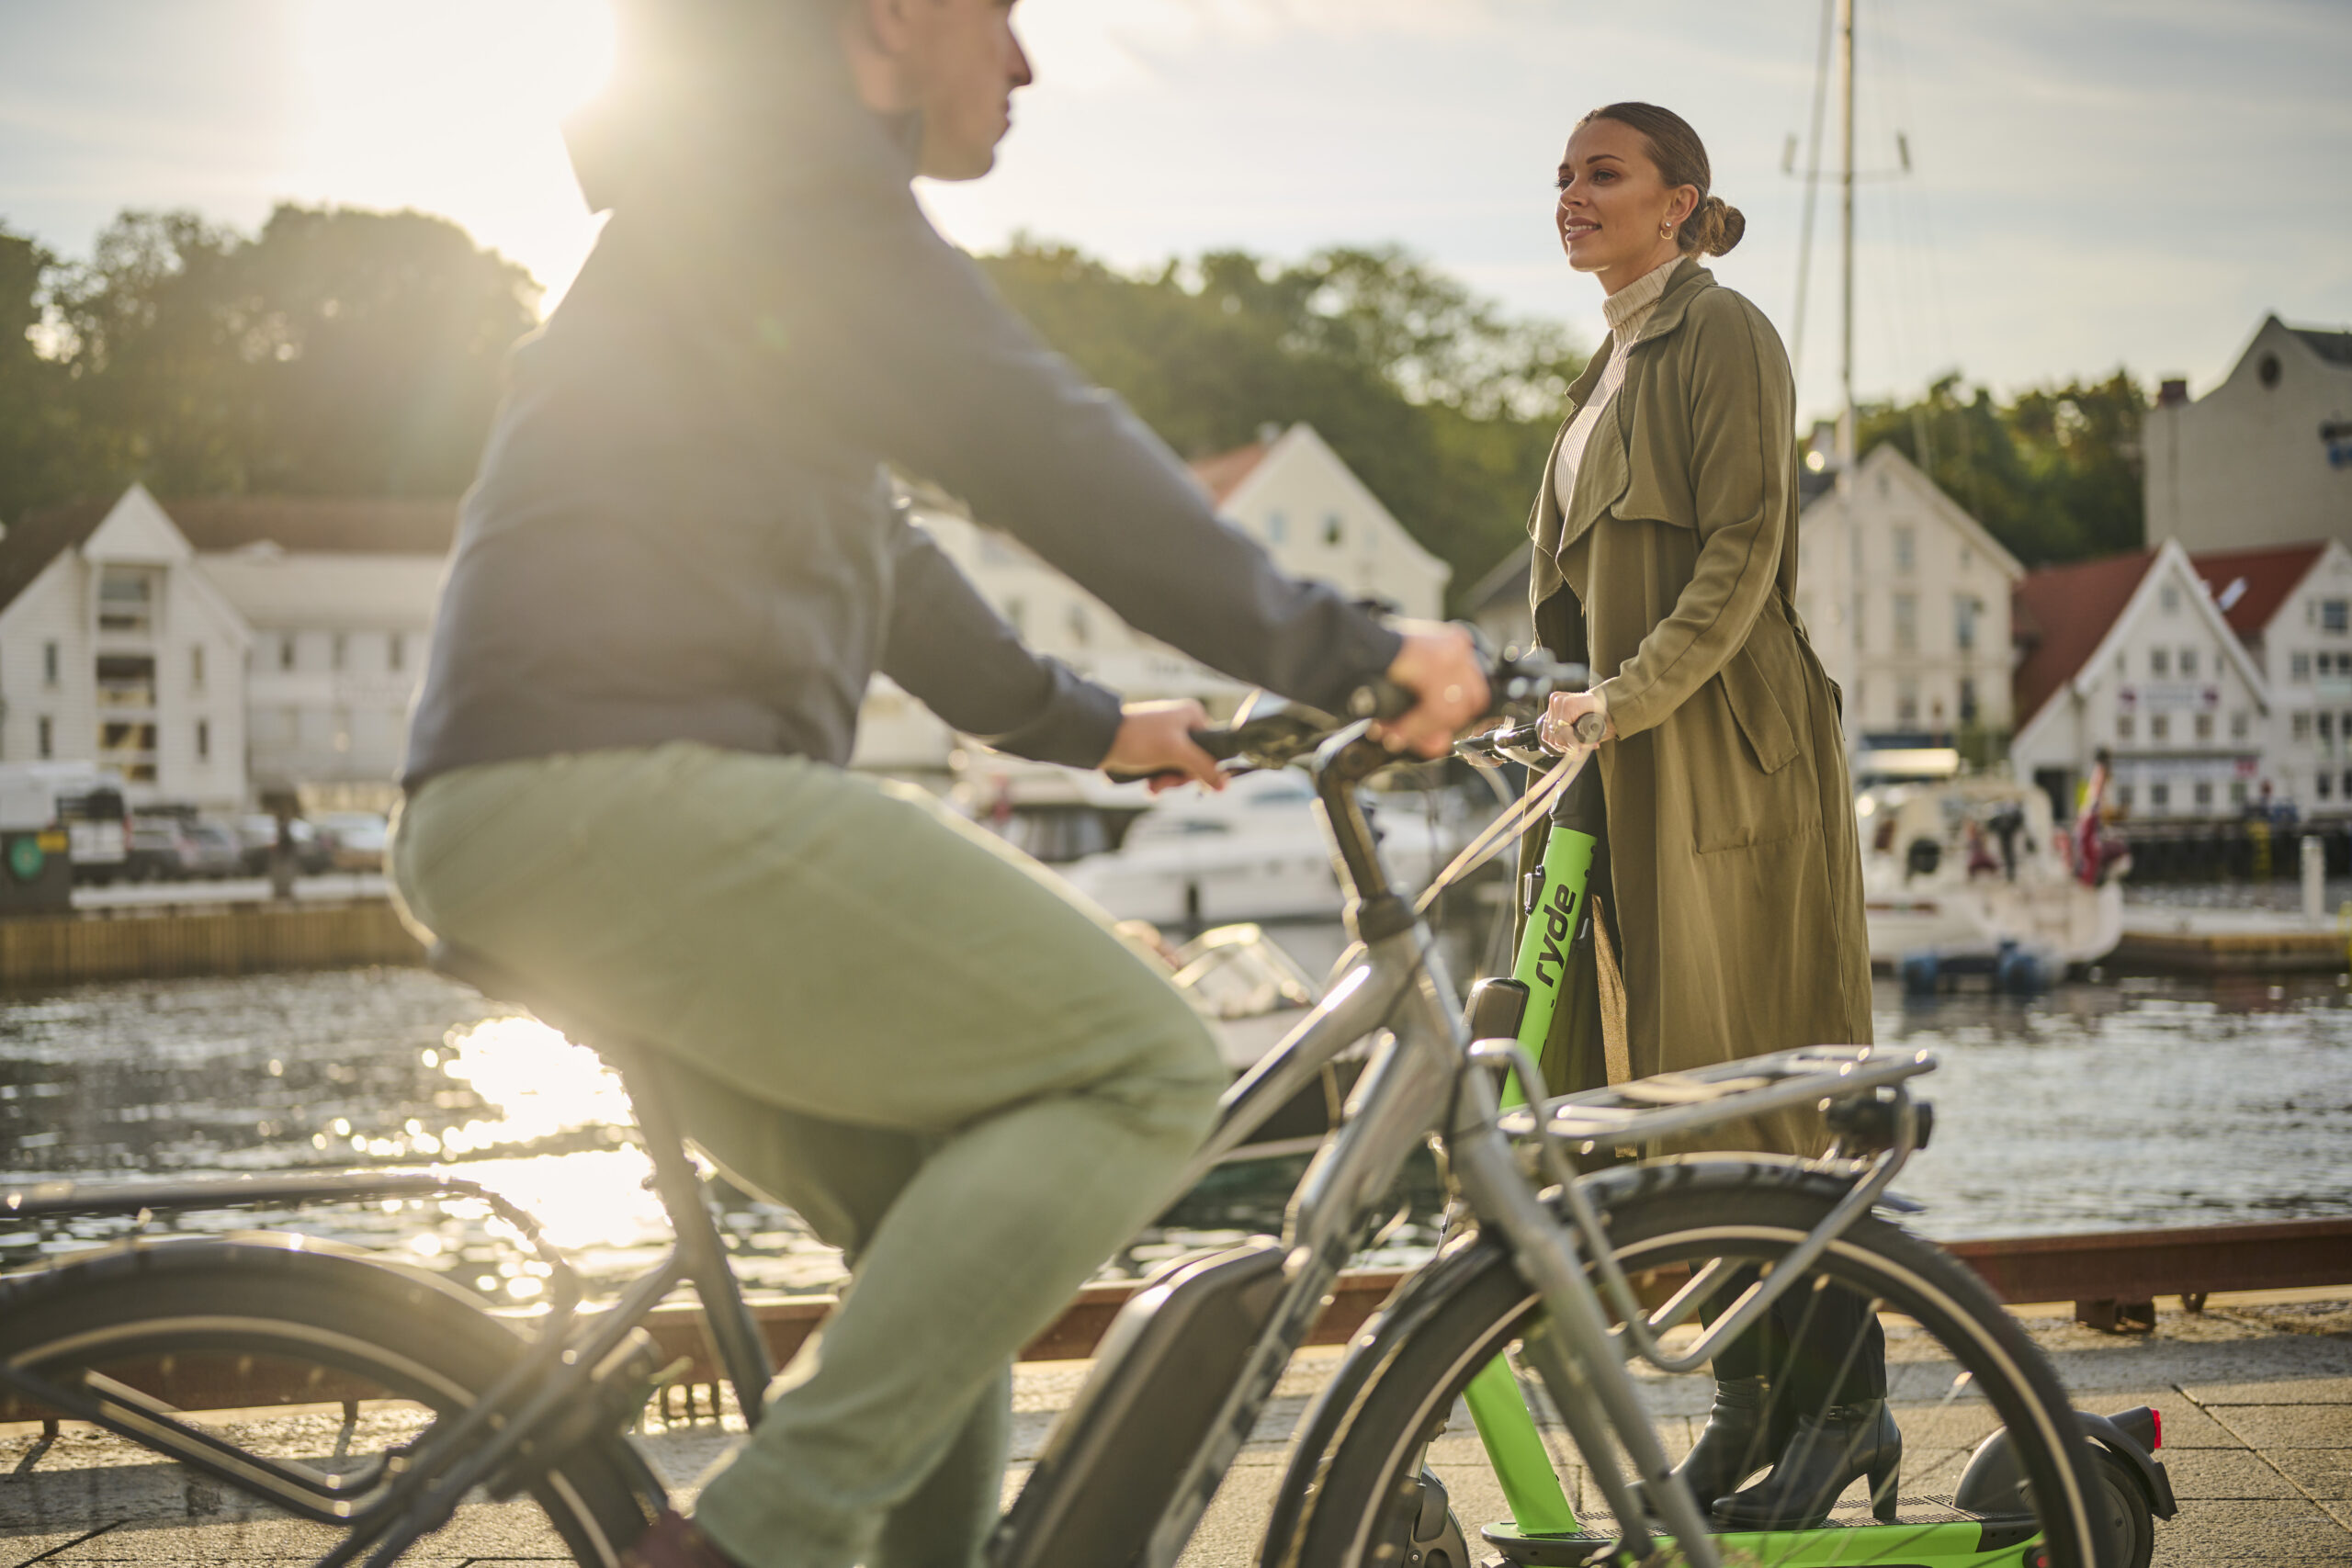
454 107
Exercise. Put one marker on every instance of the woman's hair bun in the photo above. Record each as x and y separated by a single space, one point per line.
1713 227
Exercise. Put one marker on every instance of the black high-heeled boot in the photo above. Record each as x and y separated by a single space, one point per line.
1824 1455
1734 1444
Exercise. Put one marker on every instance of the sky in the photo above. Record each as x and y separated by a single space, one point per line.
2092 184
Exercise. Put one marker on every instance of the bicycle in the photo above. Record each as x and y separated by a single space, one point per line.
468 1404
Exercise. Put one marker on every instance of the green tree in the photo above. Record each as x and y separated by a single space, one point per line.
1443 406
37 433
340 352
2053 474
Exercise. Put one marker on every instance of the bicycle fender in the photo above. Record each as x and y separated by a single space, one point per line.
1420 1297
265 1254
1383 1334
1991 1478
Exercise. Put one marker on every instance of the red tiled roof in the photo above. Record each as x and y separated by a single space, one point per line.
2248 586
1223 474
2065 611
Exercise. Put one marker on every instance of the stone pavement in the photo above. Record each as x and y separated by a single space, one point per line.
2255 1395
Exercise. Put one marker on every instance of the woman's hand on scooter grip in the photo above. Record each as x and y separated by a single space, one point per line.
1567 707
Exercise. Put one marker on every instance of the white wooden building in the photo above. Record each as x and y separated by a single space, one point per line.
117 648
2131 655
1906 599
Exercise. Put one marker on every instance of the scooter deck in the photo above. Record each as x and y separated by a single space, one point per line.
1928 1533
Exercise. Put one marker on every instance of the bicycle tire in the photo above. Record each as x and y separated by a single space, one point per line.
304 1311
1360 1508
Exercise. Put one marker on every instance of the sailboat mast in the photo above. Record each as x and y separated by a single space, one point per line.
1847 434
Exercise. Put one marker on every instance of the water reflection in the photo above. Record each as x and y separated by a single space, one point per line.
2139 1102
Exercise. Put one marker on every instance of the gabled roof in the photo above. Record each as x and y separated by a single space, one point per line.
1223 474
31 545
318 524
2064 613
2248 586
2333 347
1505 583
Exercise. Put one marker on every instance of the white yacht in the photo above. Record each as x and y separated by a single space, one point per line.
1254 852
1957 867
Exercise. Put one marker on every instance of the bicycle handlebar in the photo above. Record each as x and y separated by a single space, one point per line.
1285 732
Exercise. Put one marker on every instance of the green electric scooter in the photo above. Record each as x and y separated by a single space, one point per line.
1965 1530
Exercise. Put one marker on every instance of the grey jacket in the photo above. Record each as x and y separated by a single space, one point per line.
683 528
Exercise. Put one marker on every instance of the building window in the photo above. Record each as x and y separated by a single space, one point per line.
2159 726
204 740
195 666
1967 699
2188 663
286 650
396 651
49 662
2237 792
2124 797
1964 610
2159 795
2333 615
1333 530
2238 725
2203 792
2169 597
2204 727
2302 727
336 650
2299 666
2123 727
128 745
2326 782
125 681
1906 623
1277 528
2160 662
45 736
1907 548
1906 702
126 599
2326 727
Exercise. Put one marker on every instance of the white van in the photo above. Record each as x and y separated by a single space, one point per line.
79 797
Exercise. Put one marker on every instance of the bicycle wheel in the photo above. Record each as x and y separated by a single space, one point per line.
302 1355
1960 1371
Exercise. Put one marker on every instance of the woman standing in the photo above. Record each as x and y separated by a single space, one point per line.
1666 557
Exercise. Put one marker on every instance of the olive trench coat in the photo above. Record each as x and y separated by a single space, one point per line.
1735 876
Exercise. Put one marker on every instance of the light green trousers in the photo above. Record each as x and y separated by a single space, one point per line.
875 1013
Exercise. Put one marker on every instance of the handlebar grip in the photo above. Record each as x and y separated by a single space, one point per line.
1590 728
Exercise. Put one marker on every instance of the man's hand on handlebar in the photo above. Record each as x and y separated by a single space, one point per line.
1156 738
1439 665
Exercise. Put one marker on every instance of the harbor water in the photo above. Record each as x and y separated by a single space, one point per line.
2135 1102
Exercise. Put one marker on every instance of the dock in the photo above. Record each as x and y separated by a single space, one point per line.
2229 942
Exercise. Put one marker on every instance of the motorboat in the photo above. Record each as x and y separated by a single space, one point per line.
1972 868
1255 851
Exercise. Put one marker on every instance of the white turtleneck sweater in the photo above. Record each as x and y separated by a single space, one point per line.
1627 310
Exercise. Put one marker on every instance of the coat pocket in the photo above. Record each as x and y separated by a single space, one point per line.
1771 739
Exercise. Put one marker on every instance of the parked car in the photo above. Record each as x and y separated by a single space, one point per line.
354 839
170 848
257 837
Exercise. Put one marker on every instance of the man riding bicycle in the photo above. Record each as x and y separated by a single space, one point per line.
679 567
